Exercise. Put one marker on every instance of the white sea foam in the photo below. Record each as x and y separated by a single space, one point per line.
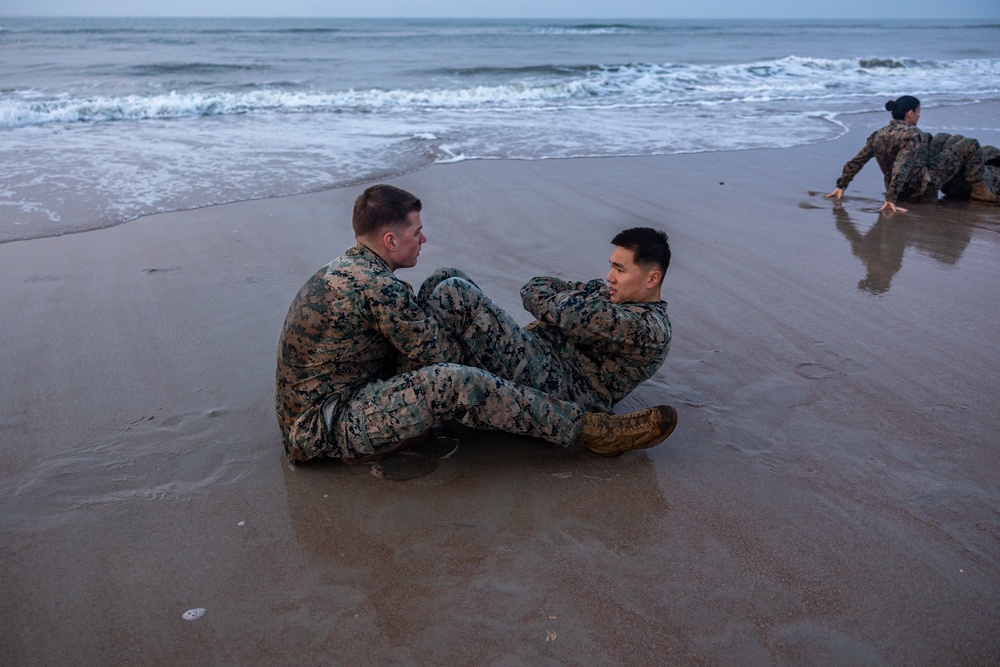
802 80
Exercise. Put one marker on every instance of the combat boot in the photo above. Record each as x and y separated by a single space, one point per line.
982 193
610 435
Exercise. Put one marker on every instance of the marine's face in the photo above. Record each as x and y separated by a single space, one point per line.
912 116
629 282
404 246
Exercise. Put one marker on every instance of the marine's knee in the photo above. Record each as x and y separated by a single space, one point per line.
445 272
433 281
456 292
459 284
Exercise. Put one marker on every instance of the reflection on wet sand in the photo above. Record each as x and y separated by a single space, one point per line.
882 247
508 533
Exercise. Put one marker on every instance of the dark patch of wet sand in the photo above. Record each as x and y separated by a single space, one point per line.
829 497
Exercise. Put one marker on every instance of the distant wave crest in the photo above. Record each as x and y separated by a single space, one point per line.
181 68
529 70
874 63
590 29
479 89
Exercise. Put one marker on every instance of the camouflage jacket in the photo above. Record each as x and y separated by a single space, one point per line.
350 324
606 349
899 150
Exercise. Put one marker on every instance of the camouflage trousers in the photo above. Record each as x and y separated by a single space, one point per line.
490 338
382 414
978 164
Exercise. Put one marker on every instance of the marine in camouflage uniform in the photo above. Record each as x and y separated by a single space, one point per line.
915 165
349 329
581 347
909 169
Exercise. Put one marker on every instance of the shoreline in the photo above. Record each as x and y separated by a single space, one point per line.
861 117
829 496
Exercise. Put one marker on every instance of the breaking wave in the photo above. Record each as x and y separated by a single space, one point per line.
537 87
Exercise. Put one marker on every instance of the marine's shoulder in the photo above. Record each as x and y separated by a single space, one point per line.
653 312
657 311
357 265
653 307
900 128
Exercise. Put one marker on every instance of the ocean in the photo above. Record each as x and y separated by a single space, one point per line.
105 120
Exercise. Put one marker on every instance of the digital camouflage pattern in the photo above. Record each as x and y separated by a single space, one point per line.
347 327
915 166
606 349
488 337
980 164
593 352
339 393
897 150
384 413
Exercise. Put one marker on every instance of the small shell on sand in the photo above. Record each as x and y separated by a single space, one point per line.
193 614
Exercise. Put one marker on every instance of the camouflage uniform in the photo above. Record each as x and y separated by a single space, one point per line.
909 169
337 391
981 163
593 353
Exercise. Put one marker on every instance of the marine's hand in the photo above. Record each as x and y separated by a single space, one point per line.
537 324
892 208
836 194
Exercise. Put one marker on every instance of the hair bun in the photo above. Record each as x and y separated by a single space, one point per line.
890 105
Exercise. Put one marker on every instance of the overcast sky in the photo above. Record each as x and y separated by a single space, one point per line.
790 9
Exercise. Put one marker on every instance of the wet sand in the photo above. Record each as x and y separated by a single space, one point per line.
830 497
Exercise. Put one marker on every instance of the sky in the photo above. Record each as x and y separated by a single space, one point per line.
572 9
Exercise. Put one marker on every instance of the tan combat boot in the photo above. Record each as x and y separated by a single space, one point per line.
610 435
981 193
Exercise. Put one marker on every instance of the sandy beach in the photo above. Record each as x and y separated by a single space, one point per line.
831 495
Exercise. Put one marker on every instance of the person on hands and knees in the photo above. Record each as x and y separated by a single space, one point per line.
911 171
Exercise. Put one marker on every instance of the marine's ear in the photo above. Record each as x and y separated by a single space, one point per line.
389 240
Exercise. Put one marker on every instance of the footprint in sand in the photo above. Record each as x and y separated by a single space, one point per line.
813 371
44 279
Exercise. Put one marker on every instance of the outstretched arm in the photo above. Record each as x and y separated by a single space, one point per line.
852 167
